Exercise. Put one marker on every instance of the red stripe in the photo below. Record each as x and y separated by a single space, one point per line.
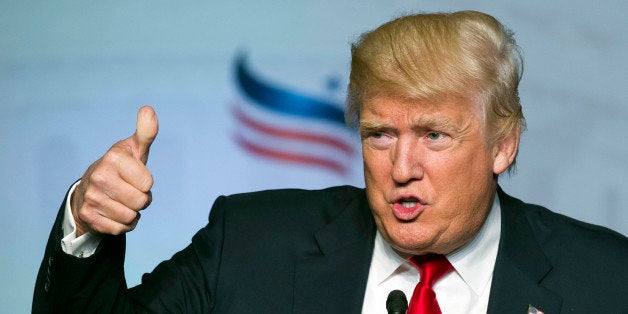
291 157
290 134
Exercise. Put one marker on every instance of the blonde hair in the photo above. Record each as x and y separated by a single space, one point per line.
437 56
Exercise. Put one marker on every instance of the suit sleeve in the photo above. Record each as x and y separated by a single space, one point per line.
69 284
185 283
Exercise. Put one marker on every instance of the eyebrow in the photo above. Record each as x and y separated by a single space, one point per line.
373 125
433 123
426 122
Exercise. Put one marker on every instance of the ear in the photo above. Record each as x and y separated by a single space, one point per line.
505 151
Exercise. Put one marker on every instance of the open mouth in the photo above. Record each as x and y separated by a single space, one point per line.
409 204
407 208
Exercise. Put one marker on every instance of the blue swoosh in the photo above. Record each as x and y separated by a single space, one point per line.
284 101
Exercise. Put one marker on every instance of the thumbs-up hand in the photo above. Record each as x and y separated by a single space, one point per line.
117 186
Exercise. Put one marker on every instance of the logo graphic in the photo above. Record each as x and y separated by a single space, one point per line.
276 123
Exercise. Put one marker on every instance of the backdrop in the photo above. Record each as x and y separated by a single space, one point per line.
249 96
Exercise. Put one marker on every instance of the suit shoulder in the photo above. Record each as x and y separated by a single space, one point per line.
297 205
340 193
566 233
572 228
336 197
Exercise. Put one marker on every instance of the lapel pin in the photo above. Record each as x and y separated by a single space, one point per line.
534 310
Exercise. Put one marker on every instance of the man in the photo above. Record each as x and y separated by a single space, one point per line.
435 99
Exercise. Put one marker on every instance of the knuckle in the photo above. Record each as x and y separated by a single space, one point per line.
141 202
90 197
146 183
102 226
115 157
111 157
117 230
129 217
98 177
88 218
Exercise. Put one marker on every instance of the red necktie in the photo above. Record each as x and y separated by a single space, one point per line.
431 267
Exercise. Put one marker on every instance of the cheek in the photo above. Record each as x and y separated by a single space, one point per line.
376 178
464 165
376 166
466 188
458 179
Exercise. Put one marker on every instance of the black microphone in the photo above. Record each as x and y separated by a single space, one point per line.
396 302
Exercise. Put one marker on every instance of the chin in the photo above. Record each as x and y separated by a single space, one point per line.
412 243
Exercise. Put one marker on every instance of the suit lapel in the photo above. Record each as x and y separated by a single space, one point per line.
335 280
520 266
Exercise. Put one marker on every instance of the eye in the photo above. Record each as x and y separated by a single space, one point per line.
378 140
437 140
378 135
435 135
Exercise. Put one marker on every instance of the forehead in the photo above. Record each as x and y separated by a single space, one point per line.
453 109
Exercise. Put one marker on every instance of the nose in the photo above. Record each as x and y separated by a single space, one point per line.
407 161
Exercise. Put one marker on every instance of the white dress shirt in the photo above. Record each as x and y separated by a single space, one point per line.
465 290
82 246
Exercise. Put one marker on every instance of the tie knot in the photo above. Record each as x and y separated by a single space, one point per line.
431 267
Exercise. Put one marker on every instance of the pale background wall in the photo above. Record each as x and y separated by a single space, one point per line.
72 75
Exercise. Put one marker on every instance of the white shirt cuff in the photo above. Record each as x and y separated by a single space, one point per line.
83 246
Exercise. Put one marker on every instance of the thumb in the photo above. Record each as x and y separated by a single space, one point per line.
145 131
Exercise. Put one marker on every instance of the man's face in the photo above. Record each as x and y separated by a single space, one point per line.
429 172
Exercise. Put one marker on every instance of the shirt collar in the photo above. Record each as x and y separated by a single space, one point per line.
386 260
474 262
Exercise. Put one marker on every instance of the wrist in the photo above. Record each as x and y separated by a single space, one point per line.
75 204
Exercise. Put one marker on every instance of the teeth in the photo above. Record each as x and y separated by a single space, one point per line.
409 204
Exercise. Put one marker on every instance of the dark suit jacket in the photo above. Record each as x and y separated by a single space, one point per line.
296 251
